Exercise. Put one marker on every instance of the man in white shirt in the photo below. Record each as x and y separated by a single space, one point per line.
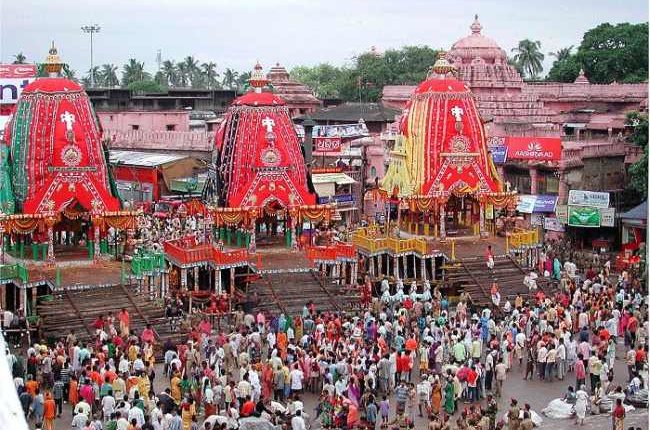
297 422
296 376
137 414
541 360
108 406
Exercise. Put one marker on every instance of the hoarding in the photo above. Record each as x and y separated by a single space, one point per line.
13 79
588 198
584 216
607 217
534 148
327 144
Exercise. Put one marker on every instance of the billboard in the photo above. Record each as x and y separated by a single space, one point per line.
543 203
13 79
534 148
553 224
584 216
588 198
499 153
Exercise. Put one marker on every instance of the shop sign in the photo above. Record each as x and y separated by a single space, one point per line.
327 144
534 148
584 216
553 224
588 198
607 217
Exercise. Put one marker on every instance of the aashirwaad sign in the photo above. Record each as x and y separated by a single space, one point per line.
534 148
588 198
13 79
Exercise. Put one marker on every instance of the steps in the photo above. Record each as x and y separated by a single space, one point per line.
289 290
473 277
77 310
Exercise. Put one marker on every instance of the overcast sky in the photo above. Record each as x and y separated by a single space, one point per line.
236 33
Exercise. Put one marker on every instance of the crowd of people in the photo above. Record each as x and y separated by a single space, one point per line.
384 365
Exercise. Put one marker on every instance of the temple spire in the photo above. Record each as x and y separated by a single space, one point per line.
257 79
476 26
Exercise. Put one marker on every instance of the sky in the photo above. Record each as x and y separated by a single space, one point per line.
237 33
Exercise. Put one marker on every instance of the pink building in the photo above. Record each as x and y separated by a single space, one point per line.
123 121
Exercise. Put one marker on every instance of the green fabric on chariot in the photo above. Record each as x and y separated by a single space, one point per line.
7 202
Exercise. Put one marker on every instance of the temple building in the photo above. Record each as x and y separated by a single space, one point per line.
440 165
300 100
589 118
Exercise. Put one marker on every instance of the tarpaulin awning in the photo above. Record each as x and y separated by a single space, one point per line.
338 178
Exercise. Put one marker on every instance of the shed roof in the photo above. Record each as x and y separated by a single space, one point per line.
639 212
143 159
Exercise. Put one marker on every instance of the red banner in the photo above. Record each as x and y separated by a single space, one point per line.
534 148
13 78
327 144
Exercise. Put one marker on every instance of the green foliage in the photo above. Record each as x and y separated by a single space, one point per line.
365 79
562 54
528 54
20 58
146 86
133 71
639 171
564 70
324 79
230 79
615 53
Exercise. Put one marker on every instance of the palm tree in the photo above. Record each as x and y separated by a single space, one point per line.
562 54
242 80
108 74
528 54
170 72
133 71
183 74
230 79
209 70
191 67
94 73
19 58
69 73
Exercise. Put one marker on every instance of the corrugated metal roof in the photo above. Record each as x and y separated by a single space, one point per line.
337 178
142 159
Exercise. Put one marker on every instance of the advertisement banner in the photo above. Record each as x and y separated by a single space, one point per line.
562 214
588 198
607 217
13 78
327 144
338 198
526 204
553 224
584 216
545 203
534 148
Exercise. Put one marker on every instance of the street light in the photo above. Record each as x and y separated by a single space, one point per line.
91 29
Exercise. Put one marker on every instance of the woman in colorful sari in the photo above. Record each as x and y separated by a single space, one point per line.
618 416
436 396
557 269
326 409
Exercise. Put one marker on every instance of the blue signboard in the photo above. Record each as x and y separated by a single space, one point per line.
339 198
545 203
499 153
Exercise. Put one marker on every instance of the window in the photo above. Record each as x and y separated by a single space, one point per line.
135 127
170 127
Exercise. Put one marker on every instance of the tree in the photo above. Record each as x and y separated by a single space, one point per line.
146 86
565 70
230 79
210 74
170 72
529 56
639 171
133 71
562 54
183 74
242 81
619 53
108 75
518 67
19 58
190 69
69 73
89 74
324 79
